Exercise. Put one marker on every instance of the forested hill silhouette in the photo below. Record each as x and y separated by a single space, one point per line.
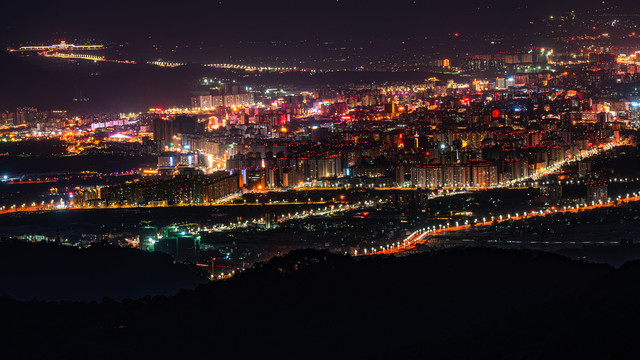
463 303
51 272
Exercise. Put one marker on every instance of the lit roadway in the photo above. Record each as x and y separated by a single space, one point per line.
421 236
298 215
25 208
33 207
53 206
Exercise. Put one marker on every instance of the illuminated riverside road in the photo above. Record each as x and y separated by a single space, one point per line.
53 179
421 236
57 206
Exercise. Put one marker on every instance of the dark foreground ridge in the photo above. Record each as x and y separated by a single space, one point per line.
457 304
51 272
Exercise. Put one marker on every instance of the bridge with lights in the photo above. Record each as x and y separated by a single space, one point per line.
62 46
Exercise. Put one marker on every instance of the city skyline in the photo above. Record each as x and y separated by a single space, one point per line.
336 179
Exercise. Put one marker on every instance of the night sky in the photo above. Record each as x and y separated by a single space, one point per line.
226 20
